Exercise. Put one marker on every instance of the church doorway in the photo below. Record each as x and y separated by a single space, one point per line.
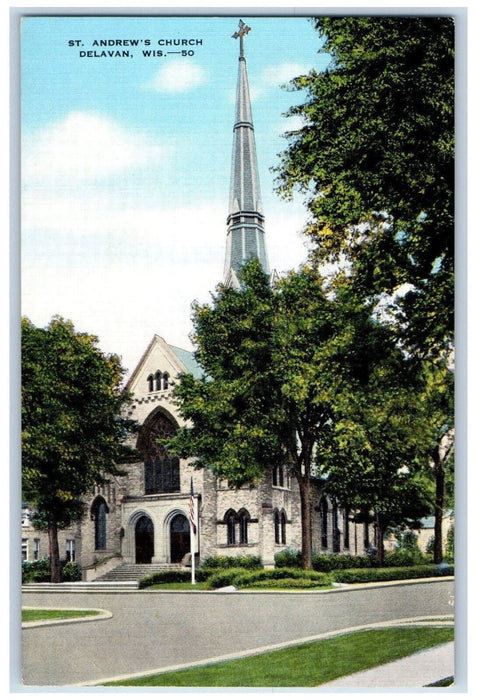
144 534
180 537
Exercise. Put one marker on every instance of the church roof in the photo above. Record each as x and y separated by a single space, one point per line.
188 360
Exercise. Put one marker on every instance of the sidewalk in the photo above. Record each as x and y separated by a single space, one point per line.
416 671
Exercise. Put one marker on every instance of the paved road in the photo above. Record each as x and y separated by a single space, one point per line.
152 630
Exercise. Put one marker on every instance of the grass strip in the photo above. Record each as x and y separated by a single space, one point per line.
307 665
34 615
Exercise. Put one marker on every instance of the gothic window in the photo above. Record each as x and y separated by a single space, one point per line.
276 522
279 522
150 382
231 520
324 523
165 381
158 377
283 526
161 471
99 509
243 518
278 476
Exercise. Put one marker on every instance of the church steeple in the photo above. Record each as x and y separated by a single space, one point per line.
245 222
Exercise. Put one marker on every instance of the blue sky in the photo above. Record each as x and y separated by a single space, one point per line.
126 166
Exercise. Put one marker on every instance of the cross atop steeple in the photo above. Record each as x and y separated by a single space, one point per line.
242 31
245 222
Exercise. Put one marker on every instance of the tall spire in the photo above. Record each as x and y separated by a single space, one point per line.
245 222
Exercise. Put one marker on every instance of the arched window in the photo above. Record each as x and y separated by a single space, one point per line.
243 518
231 520
276 522
283 527
150 381
165 381
99 509
324 522
158 377
279 522
277 476
161 471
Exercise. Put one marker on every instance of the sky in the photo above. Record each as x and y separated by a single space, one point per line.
126 164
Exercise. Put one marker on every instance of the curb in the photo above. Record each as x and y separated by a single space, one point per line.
102 615
402 622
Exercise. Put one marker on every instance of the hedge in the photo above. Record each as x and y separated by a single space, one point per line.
240 578
391 573
242 562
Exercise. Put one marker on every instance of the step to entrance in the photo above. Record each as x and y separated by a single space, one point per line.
135 572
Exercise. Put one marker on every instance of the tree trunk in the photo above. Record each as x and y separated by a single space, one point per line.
54 552
304 485
439 509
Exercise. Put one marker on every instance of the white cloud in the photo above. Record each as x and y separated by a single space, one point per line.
283 73
86 147
177 76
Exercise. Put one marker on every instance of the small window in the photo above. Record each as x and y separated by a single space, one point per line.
150 381
277 477
165 381
70 550
283 527
158 377
231 528
36 548
24 549
244 518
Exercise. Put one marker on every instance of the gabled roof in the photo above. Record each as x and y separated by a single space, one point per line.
180 359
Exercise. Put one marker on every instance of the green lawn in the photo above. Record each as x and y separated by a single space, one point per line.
34 615
307 665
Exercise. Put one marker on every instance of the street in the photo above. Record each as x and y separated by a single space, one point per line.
151 630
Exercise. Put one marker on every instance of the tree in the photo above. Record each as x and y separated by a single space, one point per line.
376 462
439 399
375 157
279 366
72 429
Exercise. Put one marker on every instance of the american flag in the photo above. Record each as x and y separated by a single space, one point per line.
192 507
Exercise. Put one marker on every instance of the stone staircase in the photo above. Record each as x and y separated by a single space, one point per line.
135 572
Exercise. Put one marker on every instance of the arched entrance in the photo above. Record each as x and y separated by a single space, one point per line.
180 537
144 536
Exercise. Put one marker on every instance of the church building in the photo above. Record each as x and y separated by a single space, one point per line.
143 517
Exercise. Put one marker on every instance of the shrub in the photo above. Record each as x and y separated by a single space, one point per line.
430 545
71 572
450 544
403 557
243 562
288 557
286 583
331 562
165 577
36 571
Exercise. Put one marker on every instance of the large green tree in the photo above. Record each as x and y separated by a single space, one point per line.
72 429
280 365
375 157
